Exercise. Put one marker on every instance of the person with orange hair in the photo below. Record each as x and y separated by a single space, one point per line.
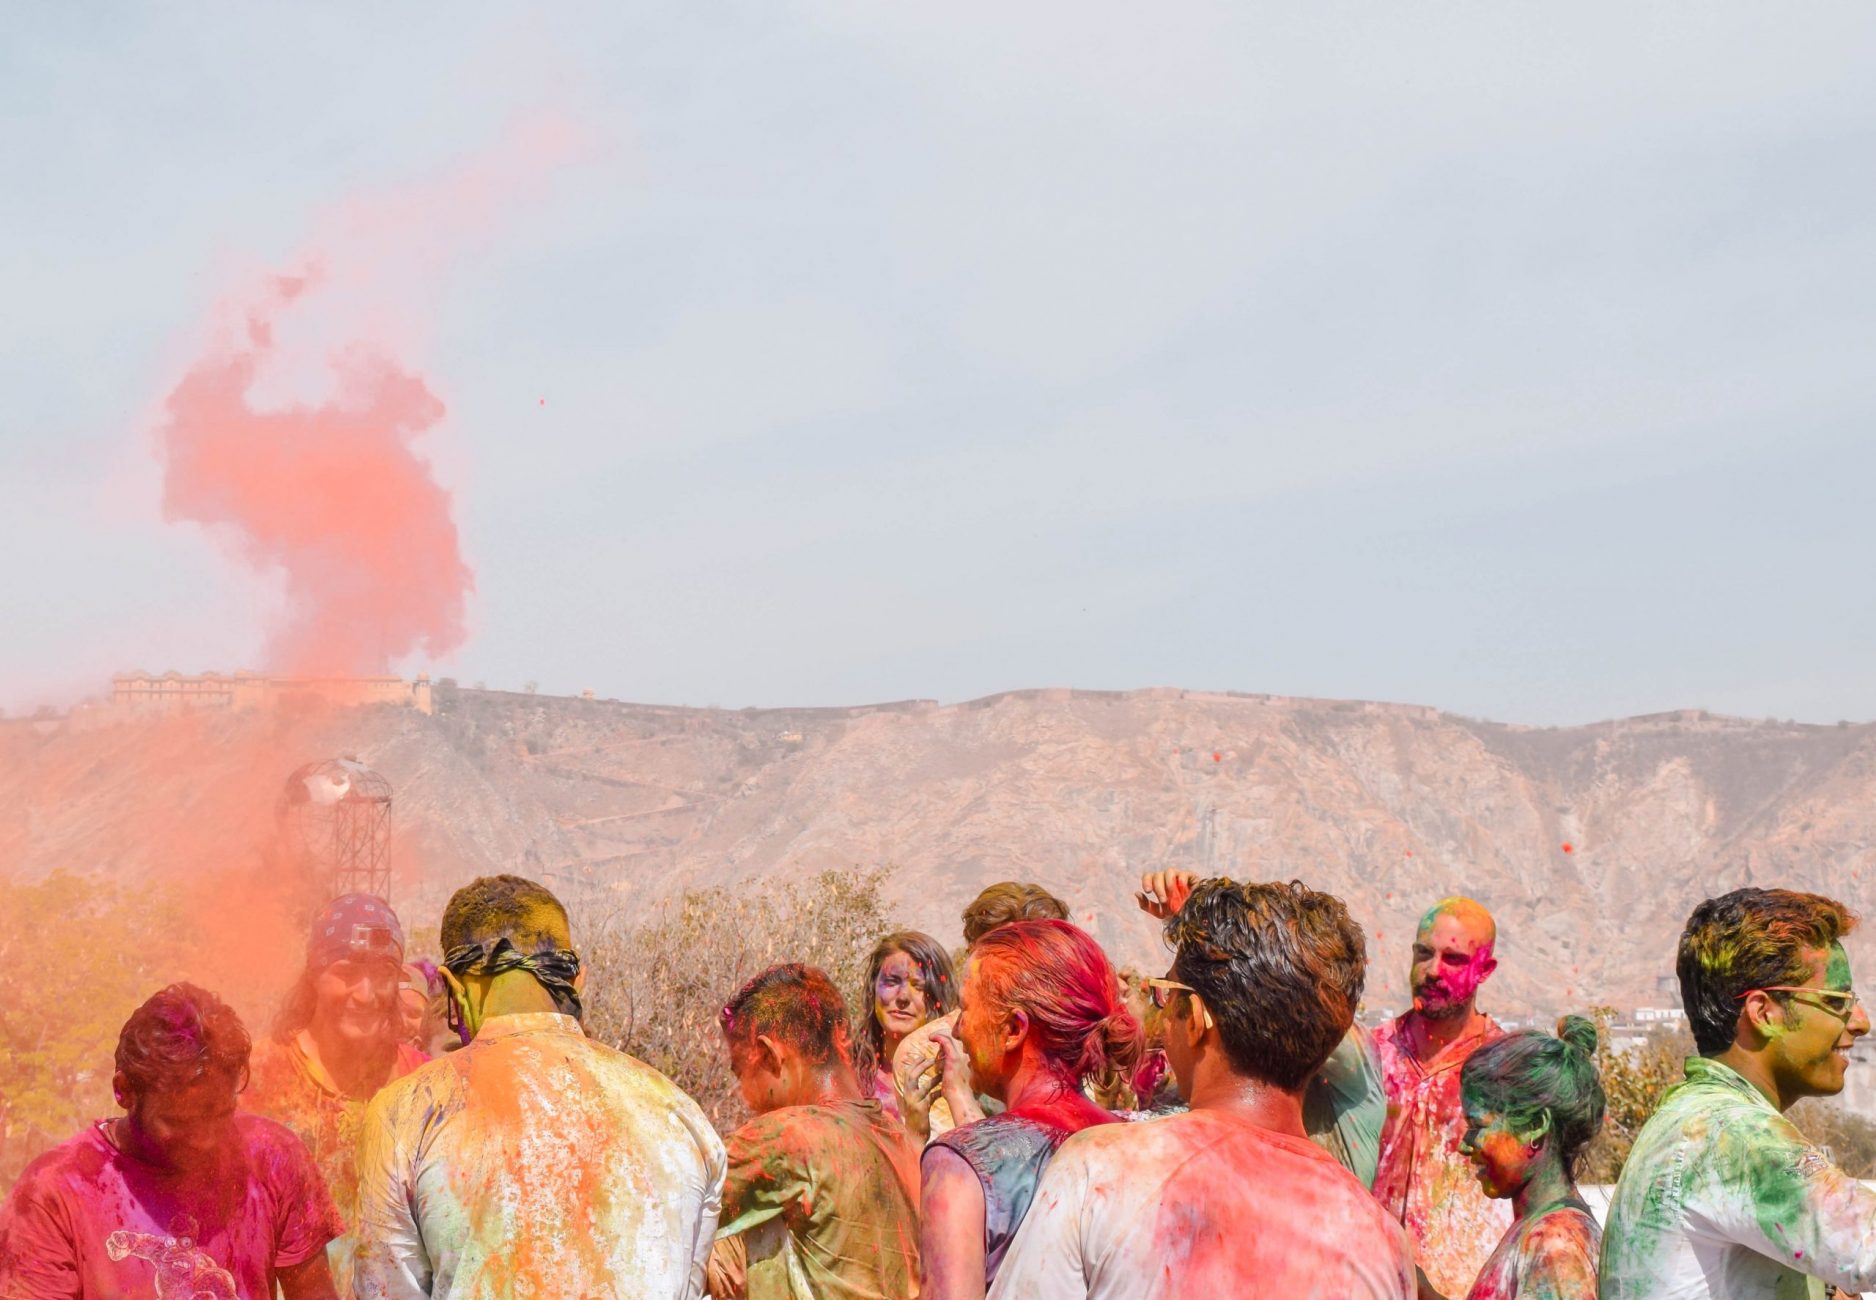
822 1189
1041 1013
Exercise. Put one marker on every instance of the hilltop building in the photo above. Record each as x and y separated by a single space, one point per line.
173 692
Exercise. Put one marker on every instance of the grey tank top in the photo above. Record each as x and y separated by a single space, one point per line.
1008 1154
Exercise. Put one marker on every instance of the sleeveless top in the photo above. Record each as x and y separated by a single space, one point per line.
1008 1153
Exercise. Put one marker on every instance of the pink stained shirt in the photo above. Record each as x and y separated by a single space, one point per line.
1202 1204
88 1222
1422 1179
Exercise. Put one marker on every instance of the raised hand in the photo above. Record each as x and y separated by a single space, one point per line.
1163 893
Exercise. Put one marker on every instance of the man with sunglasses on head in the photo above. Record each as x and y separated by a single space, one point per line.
335 1042
1722 1197
1345 1105
1230 1198
533 1161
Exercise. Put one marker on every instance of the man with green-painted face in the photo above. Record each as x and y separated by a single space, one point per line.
1722 1197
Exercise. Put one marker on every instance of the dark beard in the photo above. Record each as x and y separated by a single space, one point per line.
1445 1010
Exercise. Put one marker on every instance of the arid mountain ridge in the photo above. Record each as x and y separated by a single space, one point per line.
622 805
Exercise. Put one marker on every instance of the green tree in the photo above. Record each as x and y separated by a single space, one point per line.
81 954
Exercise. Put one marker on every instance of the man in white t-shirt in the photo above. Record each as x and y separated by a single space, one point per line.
1230 1198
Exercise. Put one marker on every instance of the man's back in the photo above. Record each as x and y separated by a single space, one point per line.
535 1162
828 1196
1202 1204
1722 1197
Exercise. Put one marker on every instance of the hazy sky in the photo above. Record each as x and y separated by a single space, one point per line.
1514 359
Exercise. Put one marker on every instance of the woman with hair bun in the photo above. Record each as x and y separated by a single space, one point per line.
1040 1013
1532 1104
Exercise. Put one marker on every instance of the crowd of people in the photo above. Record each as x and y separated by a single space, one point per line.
1026 1123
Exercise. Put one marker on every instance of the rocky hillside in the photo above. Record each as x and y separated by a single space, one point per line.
1590 843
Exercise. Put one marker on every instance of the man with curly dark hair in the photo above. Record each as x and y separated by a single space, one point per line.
1230 1198
182 1195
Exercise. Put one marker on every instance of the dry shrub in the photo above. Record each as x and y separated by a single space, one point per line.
655 985
1632 1081
1849 1140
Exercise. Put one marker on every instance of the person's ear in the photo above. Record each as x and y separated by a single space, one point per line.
1196 1021
1764 1014
1015 1027
120 1090
770 1054
456 993
1535 1138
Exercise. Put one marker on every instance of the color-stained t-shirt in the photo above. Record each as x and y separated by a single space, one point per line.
285 1086
1202 1204
1723 1198
1345 1106
535 1162
1422 1178
88 1222
1008 1153
827 1199
1550 1255
882 1089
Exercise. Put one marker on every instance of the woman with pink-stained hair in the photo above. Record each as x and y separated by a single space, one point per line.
1041 1012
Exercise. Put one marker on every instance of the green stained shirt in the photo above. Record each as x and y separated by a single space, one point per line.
827 1200
1345 1106
1723 1198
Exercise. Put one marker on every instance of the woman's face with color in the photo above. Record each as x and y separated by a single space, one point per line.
355 999
1501 1160
899 996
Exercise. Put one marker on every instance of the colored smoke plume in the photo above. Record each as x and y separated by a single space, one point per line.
332 495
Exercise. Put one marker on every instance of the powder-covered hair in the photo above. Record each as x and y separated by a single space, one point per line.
1530 1074
1057 975
933 964
178 1036
1008 901
1749 939
792 1003
1279 966
515 908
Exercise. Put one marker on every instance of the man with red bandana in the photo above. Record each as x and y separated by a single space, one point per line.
334 1044
1423 1179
